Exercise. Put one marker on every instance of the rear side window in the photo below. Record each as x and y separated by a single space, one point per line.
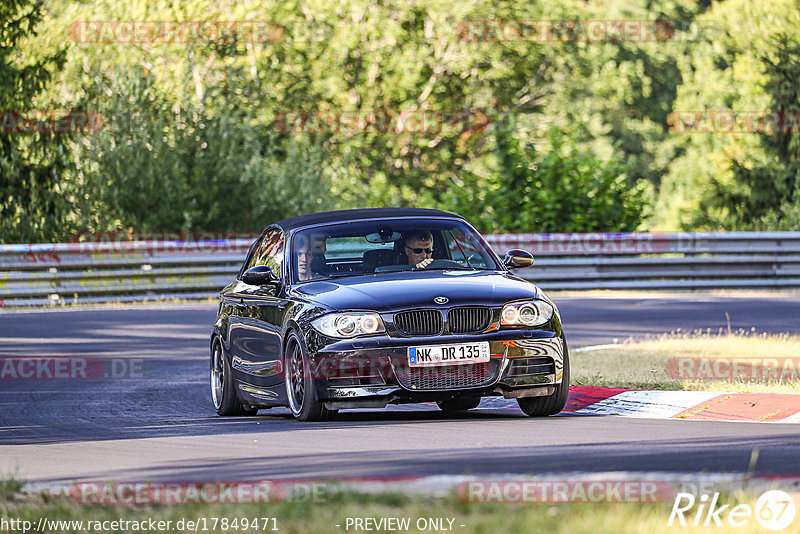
269 252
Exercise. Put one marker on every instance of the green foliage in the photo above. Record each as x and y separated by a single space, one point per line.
161 163
737 181
559 190
766 191
30 163
188 141
9 487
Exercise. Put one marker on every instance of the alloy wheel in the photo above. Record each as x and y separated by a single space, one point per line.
295 385
217 375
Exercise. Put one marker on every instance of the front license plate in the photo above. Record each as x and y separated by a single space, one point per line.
448 354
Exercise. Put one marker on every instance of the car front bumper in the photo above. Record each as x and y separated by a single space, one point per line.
373 372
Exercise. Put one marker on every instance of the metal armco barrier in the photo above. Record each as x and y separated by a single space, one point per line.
66 273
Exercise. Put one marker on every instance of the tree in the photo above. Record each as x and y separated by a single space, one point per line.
355 56
176 164
740 180
31 164
561 189
767 189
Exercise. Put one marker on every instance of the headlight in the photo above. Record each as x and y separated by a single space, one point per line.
533 313
348 324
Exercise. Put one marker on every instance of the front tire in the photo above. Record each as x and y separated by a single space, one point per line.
301 390
551 404
223 387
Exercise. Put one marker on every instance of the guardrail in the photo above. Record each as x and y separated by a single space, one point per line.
65 273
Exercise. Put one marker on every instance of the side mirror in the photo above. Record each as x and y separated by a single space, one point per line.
517 258
259 275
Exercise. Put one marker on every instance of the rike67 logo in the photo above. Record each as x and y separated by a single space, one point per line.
774 510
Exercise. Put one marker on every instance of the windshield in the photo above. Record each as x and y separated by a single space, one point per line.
366 248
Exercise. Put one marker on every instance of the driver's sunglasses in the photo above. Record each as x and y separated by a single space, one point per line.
420 250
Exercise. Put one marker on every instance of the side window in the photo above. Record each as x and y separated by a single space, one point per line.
252 254
467 250
269 252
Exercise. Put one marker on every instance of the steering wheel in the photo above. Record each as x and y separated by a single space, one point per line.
443 264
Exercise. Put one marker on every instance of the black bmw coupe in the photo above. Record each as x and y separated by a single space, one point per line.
364 308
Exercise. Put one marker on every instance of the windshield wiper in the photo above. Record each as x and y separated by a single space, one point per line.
446 269
336 275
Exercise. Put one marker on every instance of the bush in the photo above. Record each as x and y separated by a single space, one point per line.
165 165
563 190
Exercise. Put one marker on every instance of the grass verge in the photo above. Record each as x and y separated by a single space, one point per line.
332 515
696 361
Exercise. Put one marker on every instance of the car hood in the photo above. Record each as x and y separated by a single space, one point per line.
394 291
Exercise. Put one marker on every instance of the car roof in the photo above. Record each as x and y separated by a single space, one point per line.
359 214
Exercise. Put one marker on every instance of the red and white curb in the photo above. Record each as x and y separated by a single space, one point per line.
682 405
692 405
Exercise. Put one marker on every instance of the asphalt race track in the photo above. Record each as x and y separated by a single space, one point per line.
155 421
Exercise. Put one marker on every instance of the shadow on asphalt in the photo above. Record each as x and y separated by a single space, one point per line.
727 455
113 426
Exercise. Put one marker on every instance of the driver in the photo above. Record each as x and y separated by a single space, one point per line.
418 248
305 255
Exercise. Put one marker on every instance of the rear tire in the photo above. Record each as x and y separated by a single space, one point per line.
301 390
551 404
223 387
459 405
